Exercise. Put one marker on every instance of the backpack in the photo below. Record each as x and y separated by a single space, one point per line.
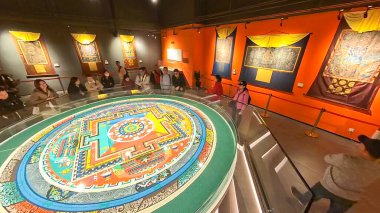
249 99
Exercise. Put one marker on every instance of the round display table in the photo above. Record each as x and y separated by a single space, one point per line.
139 153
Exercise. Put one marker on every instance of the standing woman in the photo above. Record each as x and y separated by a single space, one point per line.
157 76
145 80
239 102
107 80
42 94
76 89
120 71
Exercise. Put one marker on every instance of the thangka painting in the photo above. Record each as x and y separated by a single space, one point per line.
224 49
350 72
88 52
130 56
33 54
272 67
283 59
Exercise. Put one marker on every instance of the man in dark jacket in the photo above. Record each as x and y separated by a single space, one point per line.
178 81
9 102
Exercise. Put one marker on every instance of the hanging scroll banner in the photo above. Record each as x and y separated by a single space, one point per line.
129 51
272 61
224 50
350 72
88 53
33 53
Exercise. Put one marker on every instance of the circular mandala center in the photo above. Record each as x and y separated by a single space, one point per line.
131 128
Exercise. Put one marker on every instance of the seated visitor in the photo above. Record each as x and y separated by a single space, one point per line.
127 82
107 80
8 83
178 81
138 80
143 79
347 176
93 85
76 89
9 102
239 102
165 79
217 89
42 94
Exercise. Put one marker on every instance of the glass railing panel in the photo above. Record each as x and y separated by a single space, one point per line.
275 173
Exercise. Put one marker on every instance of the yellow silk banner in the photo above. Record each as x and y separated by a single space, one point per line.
358 23
225 32
25 36
277 40
84 38
127 38
40 68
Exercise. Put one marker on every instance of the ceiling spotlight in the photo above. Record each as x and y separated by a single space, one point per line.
174 33
282 19
199 30
340 13
366 11
154 1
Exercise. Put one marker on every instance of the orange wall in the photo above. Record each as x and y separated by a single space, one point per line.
190 42
200 49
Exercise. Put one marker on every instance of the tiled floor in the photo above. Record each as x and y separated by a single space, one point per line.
307 153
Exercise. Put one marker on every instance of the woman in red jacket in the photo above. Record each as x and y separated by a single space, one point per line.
218 88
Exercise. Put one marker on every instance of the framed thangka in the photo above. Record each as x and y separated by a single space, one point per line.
350 72
129 51
272 61
88 53
224 49
33 53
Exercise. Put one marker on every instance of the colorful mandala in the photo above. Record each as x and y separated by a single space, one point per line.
134 153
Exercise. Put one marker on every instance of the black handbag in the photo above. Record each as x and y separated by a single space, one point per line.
232 103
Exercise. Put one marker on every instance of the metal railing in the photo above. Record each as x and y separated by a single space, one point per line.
311 132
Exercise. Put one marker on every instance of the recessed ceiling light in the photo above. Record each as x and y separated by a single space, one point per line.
154 1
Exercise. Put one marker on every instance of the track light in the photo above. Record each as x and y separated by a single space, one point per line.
199 30
174 33
340 13
282 19
366 11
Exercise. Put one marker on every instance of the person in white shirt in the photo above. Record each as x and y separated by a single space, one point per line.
138 80
165 79
145 79
120 71
92 85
